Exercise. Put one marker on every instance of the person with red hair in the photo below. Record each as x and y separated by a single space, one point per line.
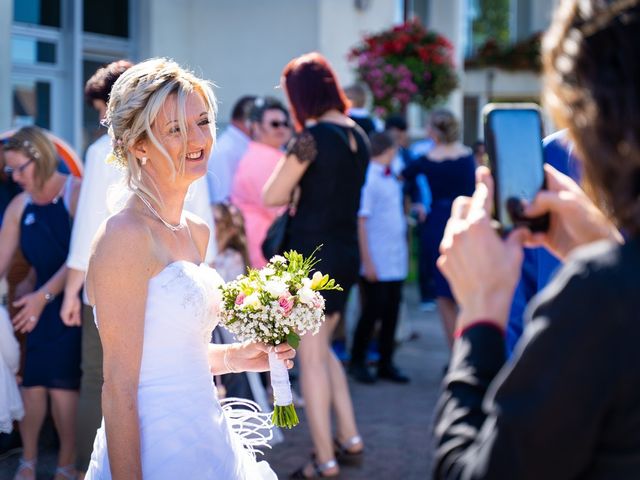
324 169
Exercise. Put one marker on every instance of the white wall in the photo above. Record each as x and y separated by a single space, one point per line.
341 27
448 19
240 45
504 84
243 45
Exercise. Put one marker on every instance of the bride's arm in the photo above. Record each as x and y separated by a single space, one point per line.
117 280
246 357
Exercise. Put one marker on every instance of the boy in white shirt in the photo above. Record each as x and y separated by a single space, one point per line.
382 231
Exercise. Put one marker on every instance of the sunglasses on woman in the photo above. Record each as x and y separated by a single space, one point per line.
278 124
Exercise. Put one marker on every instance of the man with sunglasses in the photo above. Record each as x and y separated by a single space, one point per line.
270 131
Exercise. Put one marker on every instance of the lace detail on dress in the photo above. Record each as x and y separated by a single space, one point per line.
303 147
201 295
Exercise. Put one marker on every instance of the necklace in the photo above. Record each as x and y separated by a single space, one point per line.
173 228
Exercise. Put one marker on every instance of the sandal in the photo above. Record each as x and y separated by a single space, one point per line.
24 465
344 453
68 472
318 470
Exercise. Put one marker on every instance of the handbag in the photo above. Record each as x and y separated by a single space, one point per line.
273 243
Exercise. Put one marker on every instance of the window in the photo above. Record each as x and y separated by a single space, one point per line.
29 51
31 103
107 17
37 12
488 21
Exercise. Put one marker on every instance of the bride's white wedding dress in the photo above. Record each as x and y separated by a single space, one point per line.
183 431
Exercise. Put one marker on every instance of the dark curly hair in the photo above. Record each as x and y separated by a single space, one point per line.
98 87
591 58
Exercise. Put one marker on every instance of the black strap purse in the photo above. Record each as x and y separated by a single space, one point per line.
274 241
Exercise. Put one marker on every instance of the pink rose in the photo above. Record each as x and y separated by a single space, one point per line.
318 301
240 298
286 304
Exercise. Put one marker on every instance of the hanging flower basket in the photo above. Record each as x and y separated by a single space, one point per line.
407 63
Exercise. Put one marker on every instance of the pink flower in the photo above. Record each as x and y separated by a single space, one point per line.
318 301
240 298
286 304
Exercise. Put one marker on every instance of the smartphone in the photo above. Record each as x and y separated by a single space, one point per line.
513 137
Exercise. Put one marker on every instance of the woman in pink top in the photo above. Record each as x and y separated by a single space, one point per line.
270 131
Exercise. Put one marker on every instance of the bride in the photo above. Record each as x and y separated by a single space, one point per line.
156 302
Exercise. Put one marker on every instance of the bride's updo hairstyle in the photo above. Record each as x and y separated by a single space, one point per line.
134 103
591 58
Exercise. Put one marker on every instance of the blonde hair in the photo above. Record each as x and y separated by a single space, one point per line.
135 101
34 143
444 125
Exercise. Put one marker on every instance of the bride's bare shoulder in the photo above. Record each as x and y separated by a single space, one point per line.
124 229
122 242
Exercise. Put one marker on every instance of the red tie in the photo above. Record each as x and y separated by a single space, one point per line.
387 171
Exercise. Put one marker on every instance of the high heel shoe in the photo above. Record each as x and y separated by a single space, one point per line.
26 466
319 469
345 453
68 472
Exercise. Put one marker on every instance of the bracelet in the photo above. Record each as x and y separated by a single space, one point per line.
225 360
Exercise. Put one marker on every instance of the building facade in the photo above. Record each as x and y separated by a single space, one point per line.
48 48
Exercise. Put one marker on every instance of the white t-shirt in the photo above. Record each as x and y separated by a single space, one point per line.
92 208
381 204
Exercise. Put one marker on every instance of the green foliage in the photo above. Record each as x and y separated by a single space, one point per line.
284 417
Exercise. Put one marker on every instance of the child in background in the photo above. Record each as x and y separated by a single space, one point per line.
231 260
233 257
382 232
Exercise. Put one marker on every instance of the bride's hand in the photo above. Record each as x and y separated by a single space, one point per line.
254 356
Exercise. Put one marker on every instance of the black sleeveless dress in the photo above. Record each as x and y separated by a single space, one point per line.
327 211
52 357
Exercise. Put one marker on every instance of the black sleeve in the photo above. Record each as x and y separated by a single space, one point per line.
303 146
537 417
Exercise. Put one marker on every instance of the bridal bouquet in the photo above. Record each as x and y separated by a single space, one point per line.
273 305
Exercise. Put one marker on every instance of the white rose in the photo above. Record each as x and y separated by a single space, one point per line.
252 301
278 259
266 272
276 288
306 295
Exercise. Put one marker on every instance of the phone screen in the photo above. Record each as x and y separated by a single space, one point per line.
514 138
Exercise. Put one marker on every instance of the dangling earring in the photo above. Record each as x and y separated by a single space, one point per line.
143 161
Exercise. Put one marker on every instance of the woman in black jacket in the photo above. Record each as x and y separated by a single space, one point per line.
568 405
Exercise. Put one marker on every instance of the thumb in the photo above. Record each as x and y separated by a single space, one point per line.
558 181
21 302
483 196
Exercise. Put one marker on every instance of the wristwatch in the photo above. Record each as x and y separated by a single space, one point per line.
49 297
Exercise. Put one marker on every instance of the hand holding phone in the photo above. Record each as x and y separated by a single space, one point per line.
513 136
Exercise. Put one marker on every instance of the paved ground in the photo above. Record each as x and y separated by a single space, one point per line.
394 419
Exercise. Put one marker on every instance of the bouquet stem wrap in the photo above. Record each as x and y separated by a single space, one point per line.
284 413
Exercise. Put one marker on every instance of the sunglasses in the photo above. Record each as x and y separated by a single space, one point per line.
8 171
278 124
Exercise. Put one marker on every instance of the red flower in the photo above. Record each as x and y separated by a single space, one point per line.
403 64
